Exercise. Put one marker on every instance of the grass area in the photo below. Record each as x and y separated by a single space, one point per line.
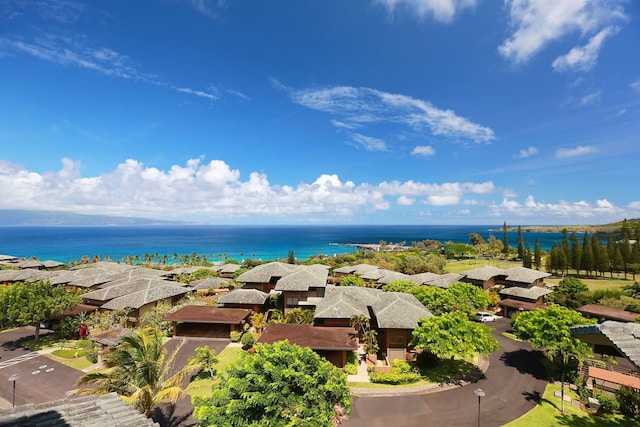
78 363
547 413
599 283
201 386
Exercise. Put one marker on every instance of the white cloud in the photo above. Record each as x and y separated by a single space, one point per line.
362 106
591 98
449 193
423 150
405 201
584 58
536 23
577 151
528 152
635 85
561 209
368 142
441 10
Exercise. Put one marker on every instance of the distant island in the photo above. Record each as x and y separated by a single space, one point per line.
26 218
612 227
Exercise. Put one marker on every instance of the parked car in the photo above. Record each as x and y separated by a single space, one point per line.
483 316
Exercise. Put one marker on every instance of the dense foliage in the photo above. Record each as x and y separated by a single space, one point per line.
279 385
30 303
453 334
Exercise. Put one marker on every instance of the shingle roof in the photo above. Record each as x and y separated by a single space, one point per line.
484 273
524 275
209 283
244 296
355 269
127 288
264 272
314 337
397 310
532 293
145 296
341 302
85 411
609 313
303 279
625 337
208 314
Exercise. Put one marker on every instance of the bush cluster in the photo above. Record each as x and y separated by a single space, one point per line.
401 373
351 369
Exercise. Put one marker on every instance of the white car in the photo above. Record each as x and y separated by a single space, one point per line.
483 316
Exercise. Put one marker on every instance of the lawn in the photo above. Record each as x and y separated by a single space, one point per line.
202 386
599 283
78 363
547 413
470 264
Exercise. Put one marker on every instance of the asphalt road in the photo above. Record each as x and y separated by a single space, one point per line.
513 384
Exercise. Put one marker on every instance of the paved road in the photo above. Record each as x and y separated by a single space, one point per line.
513 384
41 379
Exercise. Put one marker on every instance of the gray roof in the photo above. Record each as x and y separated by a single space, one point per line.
8 258
105 266
532 293
27 275
397 310
85 411
244 296
392 276
524 275
625 337
302 279
229 268
209 283
374 274
445 280
342 302
423 278
128 288
264 272
145 296
484 273
355 269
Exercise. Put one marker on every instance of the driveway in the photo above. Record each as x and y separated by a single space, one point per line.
41 379
514 383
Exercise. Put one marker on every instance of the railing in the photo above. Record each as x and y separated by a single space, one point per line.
609 367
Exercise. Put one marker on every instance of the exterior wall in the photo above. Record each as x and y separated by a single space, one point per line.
337 357
334 322
394 342
204 330
256 308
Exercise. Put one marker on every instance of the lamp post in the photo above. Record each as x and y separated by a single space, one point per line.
14 378
478 392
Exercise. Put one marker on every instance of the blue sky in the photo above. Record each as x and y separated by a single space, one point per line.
289 112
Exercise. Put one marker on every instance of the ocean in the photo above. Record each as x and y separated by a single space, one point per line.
65 244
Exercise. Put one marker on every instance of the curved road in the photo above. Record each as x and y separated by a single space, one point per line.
514 383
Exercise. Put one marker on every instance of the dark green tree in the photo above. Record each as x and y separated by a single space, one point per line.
576 253
537 255
550 330
291 258
587 261
505 239
280 385
30 303
527 258
453 334
520 243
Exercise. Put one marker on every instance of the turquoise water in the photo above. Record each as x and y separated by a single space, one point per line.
66 244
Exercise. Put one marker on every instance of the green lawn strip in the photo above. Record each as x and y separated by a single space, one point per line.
78 363
201 386
470 264
596 284
547 413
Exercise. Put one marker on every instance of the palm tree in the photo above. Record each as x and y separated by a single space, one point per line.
140 371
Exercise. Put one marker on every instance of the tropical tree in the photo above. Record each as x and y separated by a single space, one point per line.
453 334
258 321
549 329
206 359
353 280
537 255
139 371
30 303
299 315
281 384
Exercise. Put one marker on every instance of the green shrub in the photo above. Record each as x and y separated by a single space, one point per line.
235 336
629 400
92 354
351 369
608 405
84 344
394 377
249 339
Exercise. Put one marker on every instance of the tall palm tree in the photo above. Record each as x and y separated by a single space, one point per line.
140 371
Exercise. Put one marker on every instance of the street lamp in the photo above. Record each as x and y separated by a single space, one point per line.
14 378
478 392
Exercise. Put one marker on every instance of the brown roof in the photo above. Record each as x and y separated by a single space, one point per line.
80 308
609 313
314 337
512 303
209 314
614 377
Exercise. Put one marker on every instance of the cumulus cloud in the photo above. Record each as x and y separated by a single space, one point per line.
359 107
441 10
528 152
576 151
561 209
423 150
584 58
201 189
537 23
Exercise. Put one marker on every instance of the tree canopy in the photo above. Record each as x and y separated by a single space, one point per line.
453 334
281 384
30 303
